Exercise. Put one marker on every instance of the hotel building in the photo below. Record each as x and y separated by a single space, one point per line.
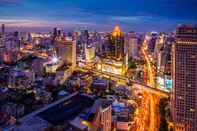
184 96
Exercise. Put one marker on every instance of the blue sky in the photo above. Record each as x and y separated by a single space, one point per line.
137 15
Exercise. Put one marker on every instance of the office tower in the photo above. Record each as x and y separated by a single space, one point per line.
16 43
159 44
163 55
3 28
2 37
29 37
184 98
82 42
84 36
55 32
168 55
90 53
115 57
116 44
152 41
131 41
66 50
96 41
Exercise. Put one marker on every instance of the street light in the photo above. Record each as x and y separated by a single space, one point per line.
55 60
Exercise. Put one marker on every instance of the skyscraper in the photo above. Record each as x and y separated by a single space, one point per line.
3 28
115 58
116 44
131 41
184 98
66 50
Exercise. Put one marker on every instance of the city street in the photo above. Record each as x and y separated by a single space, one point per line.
148 115
151 73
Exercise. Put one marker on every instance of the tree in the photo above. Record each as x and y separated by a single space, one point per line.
163 122
132 64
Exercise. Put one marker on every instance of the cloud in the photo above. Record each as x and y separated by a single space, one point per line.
98 14
42 23
147 18
129 19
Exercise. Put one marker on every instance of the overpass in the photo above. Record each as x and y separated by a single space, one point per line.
127 80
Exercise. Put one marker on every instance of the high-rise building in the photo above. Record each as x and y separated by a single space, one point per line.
3 28
151 43
132 45
56 32
159 44
115 57
184 100
66 50
116 44
82 42
90 53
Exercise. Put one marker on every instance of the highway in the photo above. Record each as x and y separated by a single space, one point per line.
126 80
152 93
148 116
151 73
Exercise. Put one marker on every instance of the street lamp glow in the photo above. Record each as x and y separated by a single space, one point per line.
54 60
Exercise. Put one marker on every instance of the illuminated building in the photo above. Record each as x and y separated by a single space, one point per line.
163 55
184 98
29 37
66 50
164 82
159 44
132 45
54 34
97 42
116 44
112 66
90 53
7 58
10 57
82 42
152 41
115 60
3 29
51 68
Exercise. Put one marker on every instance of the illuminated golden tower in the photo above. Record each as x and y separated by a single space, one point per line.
114 61
116 44
117 32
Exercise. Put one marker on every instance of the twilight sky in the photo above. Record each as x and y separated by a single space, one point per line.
137 15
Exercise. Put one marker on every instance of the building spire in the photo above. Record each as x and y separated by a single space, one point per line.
117 31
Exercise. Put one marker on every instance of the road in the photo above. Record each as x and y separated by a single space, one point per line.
148 114
152 98
143 114
148 117
151 72
125 80
36 53
153 114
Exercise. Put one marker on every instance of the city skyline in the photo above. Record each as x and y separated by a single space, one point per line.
149 16
98 65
